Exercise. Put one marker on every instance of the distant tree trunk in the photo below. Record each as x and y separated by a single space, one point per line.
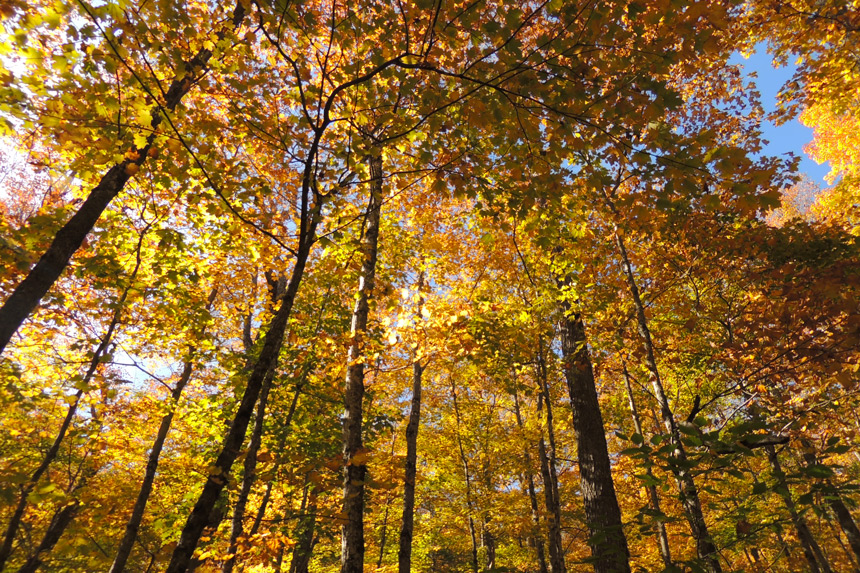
133 525
266 361
841 511
355 471
548 468
688 490
538 538
603 516
817 561
51 454
467 476
237 525
404 554
27 295
662 536
305 531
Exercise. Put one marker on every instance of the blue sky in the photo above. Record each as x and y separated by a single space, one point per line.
791 136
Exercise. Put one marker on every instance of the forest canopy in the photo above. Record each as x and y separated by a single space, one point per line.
434 286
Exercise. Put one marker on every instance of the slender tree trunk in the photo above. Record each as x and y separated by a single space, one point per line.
404 554
606 534
61 519
237 525
59 522
841 511
538 538
352 546
261 511
817 561
133 525
305 531
662 536
266 361
51 454
27 295
468 478
688 490
303 378
548 469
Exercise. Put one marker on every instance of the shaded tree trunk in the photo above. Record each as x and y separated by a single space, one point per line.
653 497
51 454
606 535
303 550
59 522
404 554
548 468
841 511
133 525
468 478
27 295
538 538
811 550
266 361
687 488
237 525
61 519
355 470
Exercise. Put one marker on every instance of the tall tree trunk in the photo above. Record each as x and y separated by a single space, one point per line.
538 538
662 536
27 295
303 378
61 519
267 496
59 522
51 454
840 510
468 478
237 525
355 471
305 531
811 550
404 554
548 468
266 361
687 488
133 525
606 534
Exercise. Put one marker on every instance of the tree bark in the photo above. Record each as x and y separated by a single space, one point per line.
404 554
654 498
606 534
687 488
305 532
237 525
811 550
468 478
27 295
548 468
266 361
59 522
51 454
133 525
355 471
841 511
538 538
